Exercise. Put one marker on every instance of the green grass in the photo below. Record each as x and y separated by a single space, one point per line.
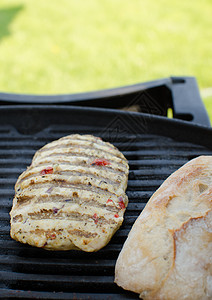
67 46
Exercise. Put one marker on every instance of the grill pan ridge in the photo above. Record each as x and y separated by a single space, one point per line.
154 150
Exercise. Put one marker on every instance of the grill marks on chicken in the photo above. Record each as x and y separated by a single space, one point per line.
72 196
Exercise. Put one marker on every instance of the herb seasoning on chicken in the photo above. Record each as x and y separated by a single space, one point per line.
72 196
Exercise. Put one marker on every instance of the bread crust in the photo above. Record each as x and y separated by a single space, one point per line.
167 254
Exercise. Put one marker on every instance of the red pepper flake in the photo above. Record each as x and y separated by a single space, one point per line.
121 203
109 200
48 170
100 162
95 218
53 236
116 215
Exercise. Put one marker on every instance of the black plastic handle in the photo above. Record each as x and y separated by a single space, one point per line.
187 102
154 97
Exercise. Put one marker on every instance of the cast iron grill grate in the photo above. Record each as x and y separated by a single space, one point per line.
27 272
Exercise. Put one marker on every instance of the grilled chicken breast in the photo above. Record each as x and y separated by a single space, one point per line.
72 196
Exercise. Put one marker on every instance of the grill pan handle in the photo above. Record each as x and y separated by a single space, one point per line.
153 97
187 102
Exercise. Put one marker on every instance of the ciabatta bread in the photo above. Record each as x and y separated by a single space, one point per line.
168 253
72 196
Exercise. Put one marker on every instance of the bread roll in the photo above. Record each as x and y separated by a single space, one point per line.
168 253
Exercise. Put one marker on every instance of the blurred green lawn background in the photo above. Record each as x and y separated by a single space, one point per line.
68 46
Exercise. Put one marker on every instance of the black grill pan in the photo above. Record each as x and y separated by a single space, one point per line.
154 97
155 146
